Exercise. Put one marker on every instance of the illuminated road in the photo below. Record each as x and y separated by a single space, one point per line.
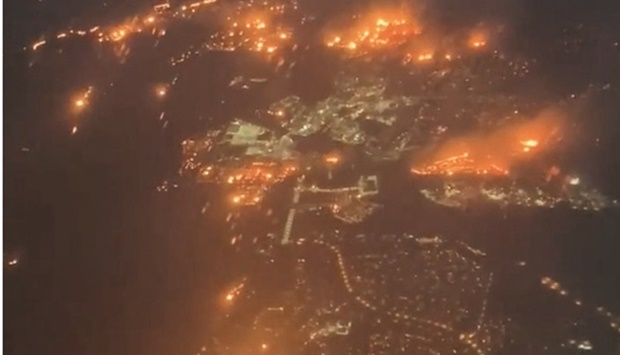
286 235
423 326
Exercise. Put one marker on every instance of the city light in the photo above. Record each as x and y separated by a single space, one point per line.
235 291
161 91
81 100
478 38
332 159
425 57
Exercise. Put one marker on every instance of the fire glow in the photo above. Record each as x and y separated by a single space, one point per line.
385 28
493 153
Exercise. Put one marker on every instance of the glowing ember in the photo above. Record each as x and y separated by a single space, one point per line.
332 160
530 143
425 57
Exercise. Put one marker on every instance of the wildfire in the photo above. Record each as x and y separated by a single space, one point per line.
461 164
386 28
119 32
493 153
249 184
253 30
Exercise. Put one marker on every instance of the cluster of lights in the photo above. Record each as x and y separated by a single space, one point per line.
250 184
477 39
375 32
252 33
147 22
234 292
345 276
551 284
480 164
248 197
454 196
80 102
461 164
467 340
529 144
394 29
